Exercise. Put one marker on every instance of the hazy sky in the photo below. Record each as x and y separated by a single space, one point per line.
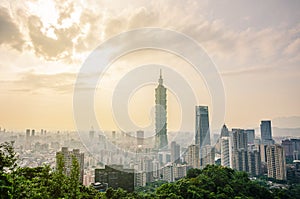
255 46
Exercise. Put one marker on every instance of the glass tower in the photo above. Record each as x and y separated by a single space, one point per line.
266 132
202 135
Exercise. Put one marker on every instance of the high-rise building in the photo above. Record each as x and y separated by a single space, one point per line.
263 152
254 163
32 132
168 173
28 140
113 134
291 148
175 152
266 132
202 134
193 158
224 131
276 164
207 156
116 176
161 139
27 133
226 152
140 179
140 137
91 134
250 135
241 160
239 150
180 171
240 139
68 157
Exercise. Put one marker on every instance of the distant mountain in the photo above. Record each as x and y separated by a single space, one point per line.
294 132
281 132
287 122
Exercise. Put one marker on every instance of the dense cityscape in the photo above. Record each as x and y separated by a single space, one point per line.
107 161
142 99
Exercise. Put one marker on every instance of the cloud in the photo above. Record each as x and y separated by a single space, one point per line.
73 29
30 82
9 31
50 48
230 48
293 47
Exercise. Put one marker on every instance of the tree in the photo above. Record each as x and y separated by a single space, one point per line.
32 182
8 163
74 179
213 182
8 159
193 173
58 187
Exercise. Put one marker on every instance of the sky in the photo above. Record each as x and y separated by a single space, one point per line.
255 46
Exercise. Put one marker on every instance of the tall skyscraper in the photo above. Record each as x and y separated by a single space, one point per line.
254 163
240 147
202 134
240 139
67 158
226 152
266 132
207 156
241 160
91 133
291 148
250 135
140 137
28 140
193 158
276 162
224 131
161 139
175 152
32 132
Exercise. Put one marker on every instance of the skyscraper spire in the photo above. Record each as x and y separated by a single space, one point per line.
160 81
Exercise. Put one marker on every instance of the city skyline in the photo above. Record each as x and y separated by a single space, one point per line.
43 46
149 99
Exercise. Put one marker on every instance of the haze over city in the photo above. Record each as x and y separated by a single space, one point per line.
254 45
149 99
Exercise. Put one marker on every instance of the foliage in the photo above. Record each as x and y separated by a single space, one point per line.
7 157
150 187
8 163
213 182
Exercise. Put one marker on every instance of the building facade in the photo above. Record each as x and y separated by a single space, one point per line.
276 164
161 139
193 154
68 157
202 134
175 152
292 149
207 156
226 152
250 135
116 176
266 132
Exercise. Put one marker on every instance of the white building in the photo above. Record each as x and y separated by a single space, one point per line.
226 152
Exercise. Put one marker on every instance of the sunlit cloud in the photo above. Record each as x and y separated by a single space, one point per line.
43 44
9 31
